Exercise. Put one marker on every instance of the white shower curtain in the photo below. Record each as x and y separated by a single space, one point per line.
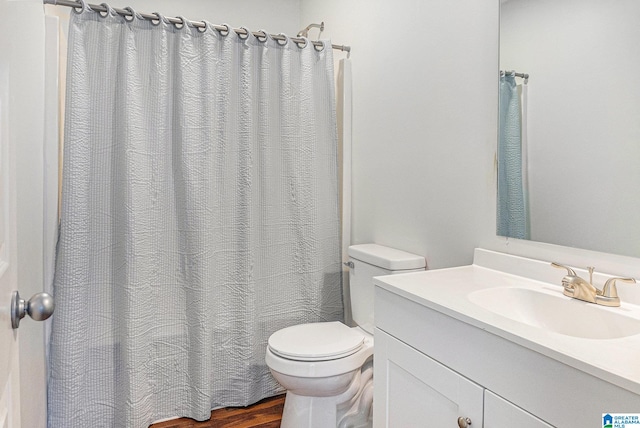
200 215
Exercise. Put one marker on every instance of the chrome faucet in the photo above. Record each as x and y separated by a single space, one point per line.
578 288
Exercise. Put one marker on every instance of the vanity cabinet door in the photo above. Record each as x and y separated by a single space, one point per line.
413 390
499 413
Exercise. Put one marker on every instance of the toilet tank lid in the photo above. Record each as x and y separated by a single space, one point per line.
386 258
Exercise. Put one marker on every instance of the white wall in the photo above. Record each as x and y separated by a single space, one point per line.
424 120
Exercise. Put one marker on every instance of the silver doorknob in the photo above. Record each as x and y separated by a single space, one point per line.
464 422
39 307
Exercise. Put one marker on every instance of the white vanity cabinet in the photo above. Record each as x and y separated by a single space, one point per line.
435 362
499 413
420 392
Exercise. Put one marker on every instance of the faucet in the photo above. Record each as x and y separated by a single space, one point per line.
580 289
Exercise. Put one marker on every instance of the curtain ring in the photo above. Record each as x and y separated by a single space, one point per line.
322 46
180 25
109 11
246 36
83 7
134 15
300 45
205 28
186 23
226 31
264 37
286 39
160 19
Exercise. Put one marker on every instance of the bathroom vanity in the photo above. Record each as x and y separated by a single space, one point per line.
496 344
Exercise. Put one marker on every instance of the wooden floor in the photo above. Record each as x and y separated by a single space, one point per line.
264 414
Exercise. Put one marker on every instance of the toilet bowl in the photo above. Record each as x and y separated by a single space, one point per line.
327 388
327 367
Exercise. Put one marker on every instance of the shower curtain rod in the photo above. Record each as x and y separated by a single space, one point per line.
198 24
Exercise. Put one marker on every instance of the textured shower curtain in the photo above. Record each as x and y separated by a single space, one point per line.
199 215
512 216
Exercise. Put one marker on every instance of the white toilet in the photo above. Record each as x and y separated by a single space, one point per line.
327 367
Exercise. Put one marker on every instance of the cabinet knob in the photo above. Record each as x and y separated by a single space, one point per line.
464 422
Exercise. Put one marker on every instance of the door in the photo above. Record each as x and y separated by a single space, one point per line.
22 364
413 390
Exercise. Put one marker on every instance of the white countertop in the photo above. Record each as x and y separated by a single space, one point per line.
446 290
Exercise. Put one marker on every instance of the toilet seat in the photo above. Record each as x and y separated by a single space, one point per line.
319 369
323 341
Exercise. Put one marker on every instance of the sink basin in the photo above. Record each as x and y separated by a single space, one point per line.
552 311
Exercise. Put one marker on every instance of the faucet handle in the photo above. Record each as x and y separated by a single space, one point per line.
569 270
610 290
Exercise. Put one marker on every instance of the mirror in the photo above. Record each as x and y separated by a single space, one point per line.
580 121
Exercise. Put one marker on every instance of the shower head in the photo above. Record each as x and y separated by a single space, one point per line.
305 32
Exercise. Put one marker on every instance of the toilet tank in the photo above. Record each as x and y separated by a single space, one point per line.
367 261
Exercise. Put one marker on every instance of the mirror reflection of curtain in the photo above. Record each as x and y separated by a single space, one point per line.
512 215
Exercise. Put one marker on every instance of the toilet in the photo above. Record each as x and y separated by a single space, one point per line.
327 367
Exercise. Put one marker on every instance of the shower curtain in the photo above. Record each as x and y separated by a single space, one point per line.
199 215
512 216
